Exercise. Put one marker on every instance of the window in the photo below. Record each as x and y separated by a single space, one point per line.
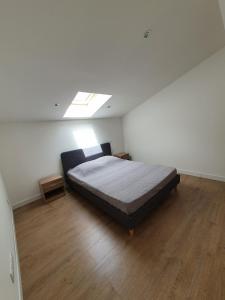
84 105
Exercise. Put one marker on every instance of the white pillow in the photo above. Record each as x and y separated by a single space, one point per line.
92 166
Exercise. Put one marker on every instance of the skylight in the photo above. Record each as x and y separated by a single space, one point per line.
84 105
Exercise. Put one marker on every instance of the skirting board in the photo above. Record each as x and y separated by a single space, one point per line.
26 201
201 175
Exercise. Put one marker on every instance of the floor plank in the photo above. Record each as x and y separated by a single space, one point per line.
70 250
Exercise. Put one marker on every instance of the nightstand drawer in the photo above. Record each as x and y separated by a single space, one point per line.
52 185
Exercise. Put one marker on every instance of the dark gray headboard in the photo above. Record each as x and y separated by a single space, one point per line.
71 159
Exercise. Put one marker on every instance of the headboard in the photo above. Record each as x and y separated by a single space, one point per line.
71 159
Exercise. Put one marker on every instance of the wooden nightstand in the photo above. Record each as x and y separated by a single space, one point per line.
122 155
52 187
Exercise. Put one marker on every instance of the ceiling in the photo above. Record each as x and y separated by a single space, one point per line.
50 49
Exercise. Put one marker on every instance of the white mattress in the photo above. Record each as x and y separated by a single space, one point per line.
126 185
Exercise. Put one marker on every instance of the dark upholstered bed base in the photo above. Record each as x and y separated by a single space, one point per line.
129 221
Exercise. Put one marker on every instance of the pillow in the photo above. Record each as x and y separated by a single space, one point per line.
92 166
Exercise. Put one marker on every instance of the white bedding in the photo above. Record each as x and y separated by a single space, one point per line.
127 185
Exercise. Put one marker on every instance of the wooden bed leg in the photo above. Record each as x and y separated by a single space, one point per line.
131 232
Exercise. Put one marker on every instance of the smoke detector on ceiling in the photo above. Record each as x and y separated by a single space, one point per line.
148 34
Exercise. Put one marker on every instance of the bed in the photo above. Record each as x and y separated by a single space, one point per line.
126 190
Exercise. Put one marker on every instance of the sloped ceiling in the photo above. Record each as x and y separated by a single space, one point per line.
50 49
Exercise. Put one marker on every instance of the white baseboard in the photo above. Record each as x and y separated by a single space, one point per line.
26 201
202 175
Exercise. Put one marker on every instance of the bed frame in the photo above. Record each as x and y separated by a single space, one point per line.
71 159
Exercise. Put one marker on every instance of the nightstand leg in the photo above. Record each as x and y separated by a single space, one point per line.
131 232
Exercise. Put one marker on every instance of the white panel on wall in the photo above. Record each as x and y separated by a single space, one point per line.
184 124
9 289
31 150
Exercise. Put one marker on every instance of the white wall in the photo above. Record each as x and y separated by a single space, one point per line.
30 151
184 124
8 290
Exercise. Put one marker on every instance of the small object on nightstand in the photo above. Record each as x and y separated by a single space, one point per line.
122 155
52 187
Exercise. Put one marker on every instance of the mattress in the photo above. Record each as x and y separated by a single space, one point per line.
126 185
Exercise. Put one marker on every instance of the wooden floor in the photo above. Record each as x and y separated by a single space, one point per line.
70 250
